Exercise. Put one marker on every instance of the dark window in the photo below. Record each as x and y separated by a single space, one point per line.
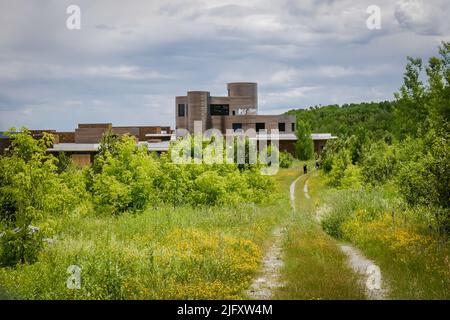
181 110
234 112
260 126
219 110
237 126
293 126
281 126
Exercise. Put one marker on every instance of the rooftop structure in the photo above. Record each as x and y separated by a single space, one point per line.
237 110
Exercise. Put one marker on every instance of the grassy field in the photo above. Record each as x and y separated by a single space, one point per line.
414 260
165 253
314 267
215 252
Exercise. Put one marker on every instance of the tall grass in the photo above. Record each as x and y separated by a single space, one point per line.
413 257
314 266
165 253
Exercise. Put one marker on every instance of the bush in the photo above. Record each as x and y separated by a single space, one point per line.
379 163
424 181
30 191
286 159
20 245
125 181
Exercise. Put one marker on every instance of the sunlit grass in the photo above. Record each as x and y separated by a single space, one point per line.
165 253
314 267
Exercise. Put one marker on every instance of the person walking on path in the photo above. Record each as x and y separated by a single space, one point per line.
305 168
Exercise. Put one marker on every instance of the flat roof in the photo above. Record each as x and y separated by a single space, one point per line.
93 147
322 136
74 147
158 135
158 146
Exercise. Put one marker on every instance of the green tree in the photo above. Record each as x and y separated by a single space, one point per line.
411 110
126 178
304 147
30 189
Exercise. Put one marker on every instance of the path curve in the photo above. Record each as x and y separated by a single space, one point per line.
262 287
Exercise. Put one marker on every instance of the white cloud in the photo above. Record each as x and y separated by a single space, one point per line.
136 57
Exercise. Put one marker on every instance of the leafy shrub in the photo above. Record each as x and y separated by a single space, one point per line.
379 163
425 181
30 191
286 159
125 181
20 245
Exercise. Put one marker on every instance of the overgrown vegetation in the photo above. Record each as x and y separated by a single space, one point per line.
314 267
390 179
138 225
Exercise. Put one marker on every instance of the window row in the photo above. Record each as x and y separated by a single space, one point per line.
261 126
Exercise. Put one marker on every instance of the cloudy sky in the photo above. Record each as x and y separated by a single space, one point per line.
130 58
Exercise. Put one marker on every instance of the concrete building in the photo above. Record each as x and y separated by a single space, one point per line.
82 144
237 110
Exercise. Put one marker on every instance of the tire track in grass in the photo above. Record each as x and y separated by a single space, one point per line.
369 272
263 287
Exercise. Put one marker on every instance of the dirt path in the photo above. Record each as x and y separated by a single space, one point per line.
370 273
263 286
305 190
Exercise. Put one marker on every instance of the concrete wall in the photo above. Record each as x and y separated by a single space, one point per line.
92 133
249 122
241 95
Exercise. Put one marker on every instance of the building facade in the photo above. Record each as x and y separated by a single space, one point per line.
237 110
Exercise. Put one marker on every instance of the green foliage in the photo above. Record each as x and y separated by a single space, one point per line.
286 159
414 154
369 205
425 181
125 181
379 162
20 245
304 147
63 162
375 117
411 109
129 179
30 191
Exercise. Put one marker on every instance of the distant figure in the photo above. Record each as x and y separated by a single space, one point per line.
305 168
317 164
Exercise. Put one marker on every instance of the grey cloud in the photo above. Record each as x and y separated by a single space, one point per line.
426 18
129 60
